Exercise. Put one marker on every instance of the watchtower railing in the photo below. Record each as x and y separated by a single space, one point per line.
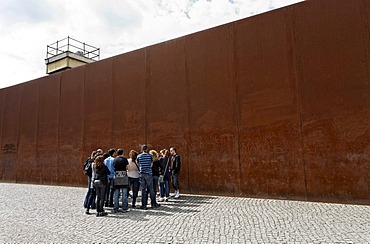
72 45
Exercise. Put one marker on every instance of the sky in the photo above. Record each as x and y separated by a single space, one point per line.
115 26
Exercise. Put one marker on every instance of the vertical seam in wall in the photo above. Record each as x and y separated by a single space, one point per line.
18 136
37 131
1 131
147 77
236 107
113 104
83 114
187 109
295 64
58 127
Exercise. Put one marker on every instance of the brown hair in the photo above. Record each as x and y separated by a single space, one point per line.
154 154
133 155
99 161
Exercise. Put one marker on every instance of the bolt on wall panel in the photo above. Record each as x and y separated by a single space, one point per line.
167 104
213 144
129 101
98 106
332 50
47 130
71 121
269 123
27 164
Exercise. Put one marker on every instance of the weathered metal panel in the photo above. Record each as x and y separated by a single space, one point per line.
10 132
213 145
168 100
129 101
71 121
27 164
2 97
276 105
270 132
47 130
332 52
98 106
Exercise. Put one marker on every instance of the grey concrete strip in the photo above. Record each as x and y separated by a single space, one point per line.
50 214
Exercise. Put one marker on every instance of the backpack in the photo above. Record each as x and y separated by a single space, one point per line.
87 167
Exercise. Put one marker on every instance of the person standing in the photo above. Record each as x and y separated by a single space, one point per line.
110 191
100 184
120 163
155 170
90 190
133 176
164 170
145 160
175 171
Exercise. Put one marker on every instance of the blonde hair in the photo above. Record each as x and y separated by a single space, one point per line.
154 153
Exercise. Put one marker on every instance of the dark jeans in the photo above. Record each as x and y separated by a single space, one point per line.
135 184
175 181
164 189
92 197
155 184
109 193
87 203
100 196
146 182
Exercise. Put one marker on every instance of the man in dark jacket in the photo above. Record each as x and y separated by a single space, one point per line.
175 171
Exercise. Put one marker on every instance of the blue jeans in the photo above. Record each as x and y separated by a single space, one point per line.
146 182
164 188
135 184
124 198
109 192
90 195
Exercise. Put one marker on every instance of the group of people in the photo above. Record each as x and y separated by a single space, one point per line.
111 175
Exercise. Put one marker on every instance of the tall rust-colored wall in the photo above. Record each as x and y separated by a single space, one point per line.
276 105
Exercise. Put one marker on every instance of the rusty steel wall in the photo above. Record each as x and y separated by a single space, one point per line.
275 105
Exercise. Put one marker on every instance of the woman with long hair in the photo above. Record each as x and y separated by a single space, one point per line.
100 183
133 175
164 171
155 169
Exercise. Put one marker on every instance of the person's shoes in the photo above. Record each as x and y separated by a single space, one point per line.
177 194
143 207
115 210
104 214
125 211
166 199
157 205
160 199
98 214
87 211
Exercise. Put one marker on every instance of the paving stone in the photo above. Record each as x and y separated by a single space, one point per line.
52 214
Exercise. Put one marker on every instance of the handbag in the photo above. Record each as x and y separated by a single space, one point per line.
120 178
161 177
97 183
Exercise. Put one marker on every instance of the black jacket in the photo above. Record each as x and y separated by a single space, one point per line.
175 164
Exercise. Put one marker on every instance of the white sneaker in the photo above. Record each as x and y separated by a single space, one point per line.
177 195
160 199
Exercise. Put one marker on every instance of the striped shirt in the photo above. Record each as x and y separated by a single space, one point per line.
145 163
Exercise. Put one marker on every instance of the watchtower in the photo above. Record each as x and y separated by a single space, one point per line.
69 53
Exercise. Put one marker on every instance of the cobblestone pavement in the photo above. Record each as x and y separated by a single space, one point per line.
34 213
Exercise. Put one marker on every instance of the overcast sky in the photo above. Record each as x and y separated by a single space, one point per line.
115 26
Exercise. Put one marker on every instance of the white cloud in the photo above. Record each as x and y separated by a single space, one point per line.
27 26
